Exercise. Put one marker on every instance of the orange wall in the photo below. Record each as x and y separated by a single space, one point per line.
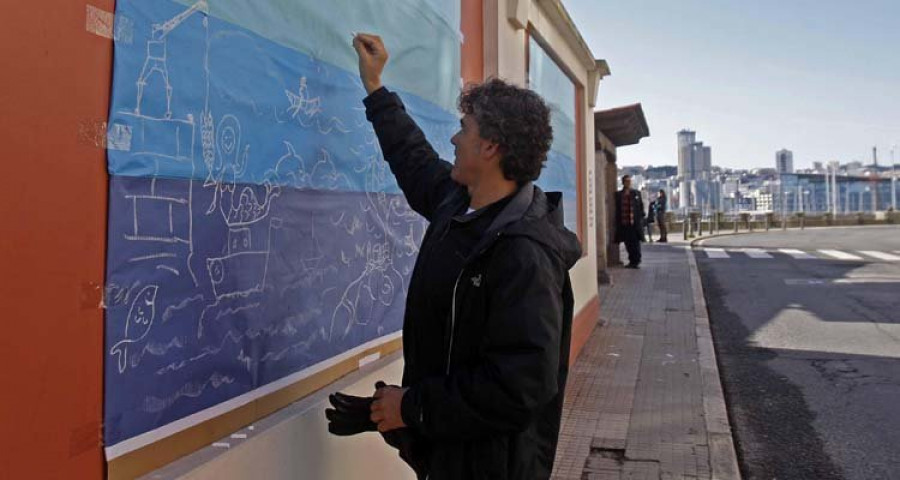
472 51
582 326
54 95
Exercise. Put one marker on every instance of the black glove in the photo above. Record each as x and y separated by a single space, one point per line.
351 414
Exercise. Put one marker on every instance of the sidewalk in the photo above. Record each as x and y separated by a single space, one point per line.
644 399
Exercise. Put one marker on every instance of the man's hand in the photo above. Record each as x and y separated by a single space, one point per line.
372 58
386 408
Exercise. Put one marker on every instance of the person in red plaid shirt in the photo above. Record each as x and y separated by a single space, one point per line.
630 221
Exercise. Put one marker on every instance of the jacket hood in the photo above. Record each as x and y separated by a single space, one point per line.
537 215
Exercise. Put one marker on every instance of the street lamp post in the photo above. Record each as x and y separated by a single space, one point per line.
893 180
847 200
784 210
834 189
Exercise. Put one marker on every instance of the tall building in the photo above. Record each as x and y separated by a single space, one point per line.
784 161
706 163
686 139
694 159
694 171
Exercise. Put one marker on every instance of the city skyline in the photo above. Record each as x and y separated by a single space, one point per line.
818 79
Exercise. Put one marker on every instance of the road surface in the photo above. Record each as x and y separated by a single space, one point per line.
807 331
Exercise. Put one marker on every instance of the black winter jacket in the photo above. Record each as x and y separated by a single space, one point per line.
488 405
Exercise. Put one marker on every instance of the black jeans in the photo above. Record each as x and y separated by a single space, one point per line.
631 235
661 221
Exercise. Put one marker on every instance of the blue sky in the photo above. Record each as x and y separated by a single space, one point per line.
821 78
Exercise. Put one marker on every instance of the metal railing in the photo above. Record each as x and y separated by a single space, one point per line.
694 225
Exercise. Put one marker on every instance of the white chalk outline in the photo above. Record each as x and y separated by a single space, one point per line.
136 320
169 429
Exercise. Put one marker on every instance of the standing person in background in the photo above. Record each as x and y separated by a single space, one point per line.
662 205
651 217
630 221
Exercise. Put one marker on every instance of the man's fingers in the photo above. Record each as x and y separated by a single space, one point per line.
377 416
359 46
370 39
372 43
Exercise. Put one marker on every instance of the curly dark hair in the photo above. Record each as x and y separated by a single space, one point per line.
515 118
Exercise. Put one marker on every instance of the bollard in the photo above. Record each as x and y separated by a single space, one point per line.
735 225
684 228
767 223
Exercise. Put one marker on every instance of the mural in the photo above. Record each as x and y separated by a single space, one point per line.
559 174
255 232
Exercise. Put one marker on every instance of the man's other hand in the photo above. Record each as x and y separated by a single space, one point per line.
386 408
372 58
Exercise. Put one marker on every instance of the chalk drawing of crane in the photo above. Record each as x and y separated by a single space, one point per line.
155 62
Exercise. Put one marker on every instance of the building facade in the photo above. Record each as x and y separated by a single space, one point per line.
694 158
784 161
696 189
809 193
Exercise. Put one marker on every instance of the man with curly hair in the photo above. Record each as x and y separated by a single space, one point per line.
487 325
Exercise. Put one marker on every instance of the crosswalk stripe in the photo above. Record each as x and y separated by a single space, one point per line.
840 255
716 253
798 254
756 253
881 255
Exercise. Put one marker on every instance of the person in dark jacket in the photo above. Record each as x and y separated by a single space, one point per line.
661 206
487 326
629 218
649 219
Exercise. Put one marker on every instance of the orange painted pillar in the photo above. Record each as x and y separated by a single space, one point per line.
472 51
54 97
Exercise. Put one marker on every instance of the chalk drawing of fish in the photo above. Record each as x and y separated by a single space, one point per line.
137 325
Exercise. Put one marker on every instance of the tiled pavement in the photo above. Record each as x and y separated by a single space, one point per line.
644 399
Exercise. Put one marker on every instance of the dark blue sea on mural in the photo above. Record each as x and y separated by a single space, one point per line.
213 291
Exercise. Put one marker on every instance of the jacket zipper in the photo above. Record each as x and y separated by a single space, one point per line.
453 319
453 311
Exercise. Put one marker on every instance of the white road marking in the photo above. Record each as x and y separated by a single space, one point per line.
798 254
716 253
840 255
881 255
756 253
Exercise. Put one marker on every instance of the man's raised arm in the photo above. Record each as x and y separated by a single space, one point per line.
421 174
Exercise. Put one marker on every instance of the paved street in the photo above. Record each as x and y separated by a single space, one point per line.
807 332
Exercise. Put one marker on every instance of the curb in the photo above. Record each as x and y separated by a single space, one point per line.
722 457
700 240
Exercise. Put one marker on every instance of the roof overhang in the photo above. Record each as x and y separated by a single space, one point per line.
622 125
